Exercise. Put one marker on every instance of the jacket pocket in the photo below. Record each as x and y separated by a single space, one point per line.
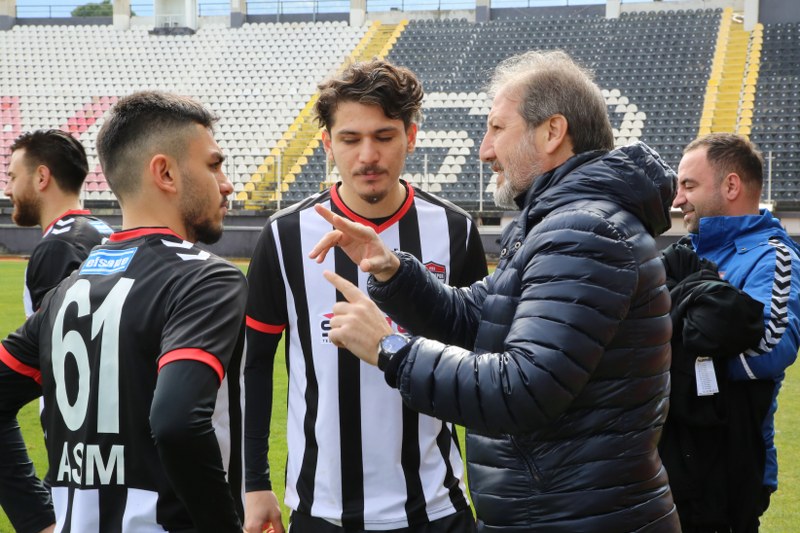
538 481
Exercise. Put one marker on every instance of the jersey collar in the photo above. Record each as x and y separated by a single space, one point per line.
66 214
337 201
135 233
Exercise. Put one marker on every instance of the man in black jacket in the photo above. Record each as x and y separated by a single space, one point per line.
564 389
712 445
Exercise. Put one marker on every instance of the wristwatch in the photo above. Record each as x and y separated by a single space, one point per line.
389 345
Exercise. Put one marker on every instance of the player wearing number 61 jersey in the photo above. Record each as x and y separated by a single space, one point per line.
146 299
138 353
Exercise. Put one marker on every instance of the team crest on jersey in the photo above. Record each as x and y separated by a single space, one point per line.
438 270
107 262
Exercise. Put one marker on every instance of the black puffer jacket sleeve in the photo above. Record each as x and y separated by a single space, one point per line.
450 315
554 308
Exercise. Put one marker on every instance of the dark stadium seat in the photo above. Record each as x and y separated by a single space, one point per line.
259 77
776 121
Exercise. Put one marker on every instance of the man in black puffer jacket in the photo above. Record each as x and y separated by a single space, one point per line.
564 388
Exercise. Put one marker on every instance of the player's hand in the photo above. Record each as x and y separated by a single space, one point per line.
361 244
262 512
357 324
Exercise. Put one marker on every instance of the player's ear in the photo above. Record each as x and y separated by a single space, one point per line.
163 172
43 177
411 137
326 143
732 186
555 133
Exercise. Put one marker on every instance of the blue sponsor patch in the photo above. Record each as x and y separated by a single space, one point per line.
107 262
101 227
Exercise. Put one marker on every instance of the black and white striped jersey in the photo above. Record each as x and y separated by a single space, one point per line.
356 455
117 347
67 241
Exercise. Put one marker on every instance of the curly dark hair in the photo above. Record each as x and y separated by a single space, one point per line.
395 89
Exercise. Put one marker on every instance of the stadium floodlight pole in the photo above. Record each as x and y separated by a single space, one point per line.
769 176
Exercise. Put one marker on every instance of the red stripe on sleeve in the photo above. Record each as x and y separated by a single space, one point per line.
19 367
252 323
192 354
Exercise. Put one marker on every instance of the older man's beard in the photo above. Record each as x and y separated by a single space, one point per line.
519 172
504 196
506 193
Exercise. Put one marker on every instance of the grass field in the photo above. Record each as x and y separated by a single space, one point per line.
783 515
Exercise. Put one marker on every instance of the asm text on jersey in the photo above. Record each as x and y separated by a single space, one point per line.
87 461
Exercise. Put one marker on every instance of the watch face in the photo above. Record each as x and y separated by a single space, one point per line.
393 343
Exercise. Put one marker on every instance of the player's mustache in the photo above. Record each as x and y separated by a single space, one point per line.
371 169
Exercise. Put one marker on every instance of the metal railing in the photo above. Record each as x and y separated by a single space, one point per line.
142 10
171 21
374 6
45 11
545 3
65 10
214 9
279 7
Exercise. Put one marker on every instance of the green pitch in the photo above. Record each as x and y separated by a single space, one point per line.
783 514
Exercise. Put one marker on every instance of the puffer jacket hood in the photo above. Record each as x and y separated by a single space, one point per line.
634 177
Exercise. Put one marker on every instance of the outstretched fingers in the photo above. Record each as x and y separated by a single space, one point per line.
328 241
351 293
352 231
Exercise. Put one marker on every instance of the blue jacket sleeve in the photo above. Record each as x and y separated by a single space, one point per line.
775 282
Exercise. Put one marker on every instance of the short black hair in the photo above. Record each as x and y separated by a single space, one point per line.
729 152
60 152
143 122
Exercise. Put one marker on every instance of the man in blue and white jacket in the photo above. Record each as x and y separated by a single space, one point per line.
719 187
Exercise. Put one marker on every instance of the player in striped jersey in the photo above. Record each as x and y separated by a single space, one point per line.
138 353
46 172
359 460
